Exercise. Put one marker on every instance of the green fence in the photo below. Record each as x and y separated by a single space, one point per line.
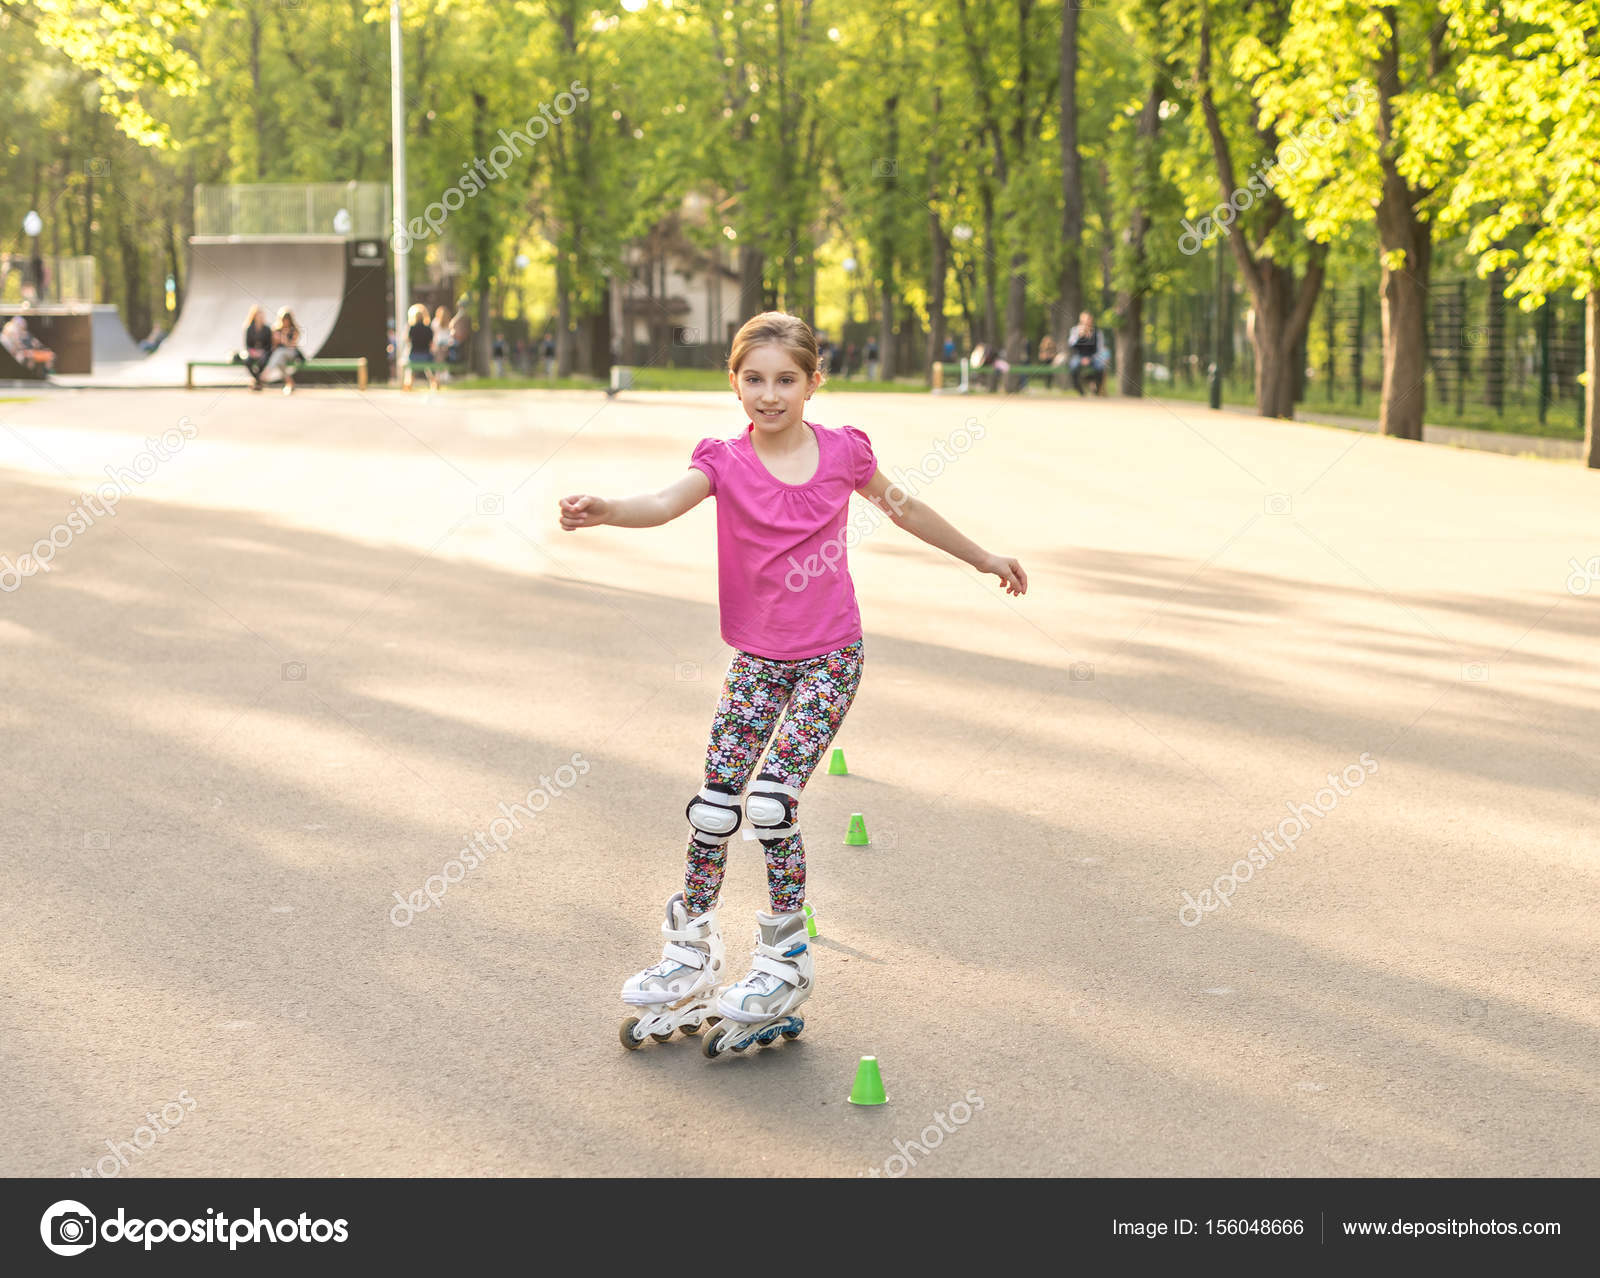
1491 365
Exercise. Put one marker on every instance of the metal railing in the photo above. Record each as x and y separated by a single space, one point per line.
293 209
65 279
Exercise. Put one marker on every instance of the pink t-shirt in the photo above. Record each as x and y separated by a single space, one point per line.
782 575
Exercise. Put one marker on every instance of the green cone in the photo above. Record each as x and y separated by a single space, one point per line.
811 921
869 1083
857 836
836 766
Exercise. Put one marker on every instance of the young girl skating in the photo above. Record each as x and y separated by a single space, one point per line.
783 488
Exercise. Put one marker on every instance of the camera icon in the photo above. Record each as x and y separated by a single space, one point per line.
1475 1009
97 841
67 1227
97 166
1081 672
1278 504
687 336
885 166
1473 335
294 671
687 670
491 504
1475 672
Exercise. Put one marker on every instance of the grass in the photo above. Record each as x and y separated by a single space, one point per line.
1517 419
17 399
664 379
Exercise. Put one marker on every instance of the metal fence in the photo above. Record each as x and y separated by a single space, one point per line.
290 209
1489 364
64 279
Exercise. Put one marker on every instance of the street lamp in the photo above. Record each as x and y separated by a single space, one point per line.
32 224
341 222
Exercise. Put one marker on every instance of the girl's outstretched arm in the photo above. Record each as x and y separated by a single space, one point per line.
923 521
583 510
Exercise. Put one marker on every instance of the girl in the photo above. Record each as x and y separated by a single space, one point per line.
783 487
257 345
421 339
286 351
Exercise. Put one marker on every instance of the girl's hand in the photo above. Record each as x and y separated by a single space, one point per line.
584 511
1010 573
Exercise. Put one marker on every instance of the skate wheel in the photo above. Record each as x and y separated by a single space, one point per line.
711 1045
793 1031
690 1030
662 1038
626 1034
739 1047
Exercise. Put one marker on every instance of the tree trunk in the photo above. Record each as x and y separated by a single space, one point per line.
991 312
752 265
1130 343
1135 265
1591 392
937 270
1017 311
483 247
1494 380
1283 315
1069 284
1404 288
564 353
1404 310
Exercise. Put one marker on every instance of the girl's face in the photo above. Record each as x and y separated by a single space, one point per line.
772 388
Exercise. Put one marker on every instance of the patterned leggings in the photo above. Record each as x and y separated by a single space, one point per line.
817 693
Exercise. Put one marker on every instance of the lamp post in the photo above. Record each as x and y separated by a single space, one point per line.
399 240
32 224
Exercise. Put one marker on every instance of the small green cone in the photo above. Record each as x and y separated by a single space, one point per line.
836 766
857 837
868 1089
811 921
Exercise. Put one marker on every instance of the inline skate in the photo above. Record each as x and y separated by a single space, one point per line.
762 1006
679 992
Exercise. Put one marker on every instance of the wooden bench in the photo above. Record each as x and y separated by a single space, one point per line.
358 366
943 370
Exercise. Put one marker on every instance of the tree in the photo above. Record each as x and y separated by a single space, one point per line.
1263 234
1530 132
1365 89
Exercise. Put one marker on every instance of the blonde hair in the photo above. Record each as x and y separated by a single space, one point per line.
775 328
418 314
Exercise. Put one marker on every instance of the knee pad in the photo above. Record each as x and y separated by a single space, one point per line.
773 808
714 812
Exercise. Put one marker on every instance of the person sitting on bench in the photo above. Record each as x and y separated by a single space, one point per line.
257 345
286 351
25 348
1087 347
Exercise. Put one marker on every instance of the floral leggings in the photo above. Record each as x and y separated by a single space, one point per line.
817 692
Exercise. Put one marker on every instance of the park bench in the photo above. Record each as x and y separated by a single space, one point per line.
941 371
358 366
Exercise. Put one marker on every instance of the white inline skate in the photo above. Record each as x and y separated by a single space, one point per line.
679 992
761 1007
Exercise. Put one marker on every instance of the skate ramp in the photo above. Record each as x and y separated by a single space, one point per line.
112 345
226 278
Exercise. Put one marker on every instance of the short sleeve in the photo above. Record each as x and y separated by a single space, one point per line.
706 455
863 461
